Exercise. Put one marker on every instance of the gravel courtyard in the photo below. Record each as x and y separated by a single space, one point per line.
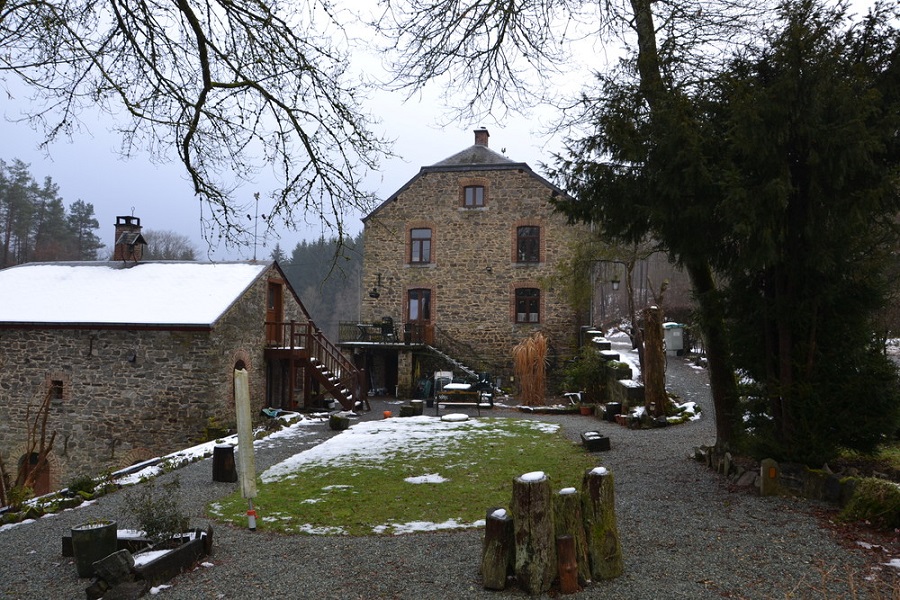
685 533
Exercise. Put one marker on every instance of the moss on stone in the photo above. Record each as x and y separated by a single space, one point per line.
876 501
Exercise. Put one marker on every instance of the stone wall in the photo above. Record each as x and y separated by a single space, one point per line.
128 395
473 273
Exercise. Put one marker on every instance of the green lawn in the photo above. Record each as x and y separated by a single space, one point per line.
356 482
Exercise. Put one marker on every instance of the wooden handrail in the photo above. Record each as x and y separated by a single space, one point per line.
319 349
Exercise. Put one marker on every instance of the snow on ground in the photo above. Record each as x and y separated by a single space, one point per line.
372 440
296 429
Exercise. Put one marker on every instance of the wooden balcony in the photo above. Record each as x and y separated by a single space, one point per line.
382 333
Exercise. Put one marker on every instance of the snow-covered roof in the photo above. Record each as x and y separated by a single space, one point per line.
112 294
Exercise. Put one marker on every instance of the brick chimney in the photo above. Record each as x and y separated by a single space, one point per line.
129 241
481 137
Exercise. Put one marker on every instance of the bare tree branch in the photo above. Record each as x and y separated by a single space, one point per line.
233 86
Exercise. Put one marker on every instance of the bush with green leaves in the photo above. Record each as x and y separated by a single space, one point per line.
156 508
586 374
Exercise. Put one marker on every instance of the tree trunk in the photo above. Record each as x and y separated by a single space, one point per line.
569 522
598 502
718 353
654 363
497 552
535 542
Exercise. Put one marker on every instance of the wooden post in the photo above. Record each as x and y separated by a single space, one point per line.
570 523
535 541
497 551
598 504
566 564
654 363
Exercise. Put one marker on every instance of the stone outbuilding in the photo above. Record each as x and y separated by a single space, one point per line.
136 359
458 269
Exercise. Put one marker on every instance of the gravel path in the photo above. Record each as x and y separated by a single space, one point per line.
685 533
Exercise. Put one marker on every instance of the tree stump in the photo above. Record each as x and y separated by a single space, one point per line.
569 522
654 363
598 506
535 540
497 558
224 468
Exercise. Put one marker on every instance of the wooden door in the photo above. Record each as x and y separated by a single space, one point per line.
419 315
275 313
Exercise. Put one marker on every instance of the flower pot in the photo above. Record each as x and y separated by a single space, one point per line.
91 542
587 410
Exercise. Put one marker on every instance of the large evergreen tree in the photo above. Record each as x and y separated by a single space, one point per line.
810 194
34 223
787 164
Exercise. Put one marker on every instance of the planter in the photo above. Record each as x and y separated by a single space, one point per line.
161 562
595 441
587 410
91 542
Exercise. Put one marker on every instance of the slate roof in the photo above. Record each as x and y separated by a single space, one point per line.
477 157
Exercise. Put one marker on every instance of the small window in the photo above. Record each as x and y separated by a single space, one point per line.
528 305
528 244
56 389
473 196
420 246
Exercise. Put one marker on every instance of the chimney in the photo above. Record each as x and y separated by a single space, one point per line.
481 137
129 241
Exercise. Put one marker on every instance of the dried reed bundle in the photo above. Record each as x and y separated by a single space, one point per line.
530 362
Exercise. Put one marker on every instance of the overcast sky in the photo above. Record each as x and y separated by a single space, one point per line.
88 168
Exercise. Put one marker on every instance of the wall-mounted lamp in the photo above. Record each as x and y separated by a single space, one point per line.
614 282
374 291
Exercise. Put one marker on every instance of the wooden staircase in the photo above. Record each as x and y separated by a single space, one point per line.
306 346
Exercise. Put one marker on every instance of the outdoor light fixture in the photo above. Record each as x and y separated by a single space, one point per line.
615 283
374 291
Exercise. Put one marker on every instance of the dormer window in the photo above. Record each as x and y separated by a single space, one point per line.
473 196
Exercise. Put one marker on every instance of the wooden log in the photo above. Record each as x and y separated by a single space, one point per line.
598 507
497 557
535 540
569 522
566 564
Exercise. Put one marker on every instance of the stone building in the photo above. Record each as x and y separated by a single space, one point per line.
136 359
457 270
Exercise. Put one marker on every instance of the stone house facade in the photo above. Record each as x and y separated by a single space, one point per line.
137 359
461 259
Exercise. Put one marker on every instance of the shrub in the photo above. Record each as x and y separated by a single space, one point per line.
82 483
585 374
876 501
157 509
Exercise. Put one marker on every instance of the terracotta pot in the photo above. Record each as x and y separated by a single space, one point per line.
387 414
587 410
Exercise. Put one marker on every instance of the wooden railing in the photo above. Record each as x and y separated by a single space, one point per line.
378 332
319 350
